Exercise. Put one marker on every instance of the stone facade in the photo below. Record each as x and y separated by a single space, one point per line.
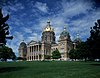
22 50
48 35
36 50
64 44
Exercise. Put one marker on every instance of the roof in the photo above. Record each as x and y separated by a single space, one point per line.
77 40
34 42
64 34
22 44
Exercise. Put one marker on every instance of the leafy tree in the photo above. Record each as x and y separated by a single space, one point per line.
4 32
13 56
89 49
56 54
73 54
7 53
82 50
94 40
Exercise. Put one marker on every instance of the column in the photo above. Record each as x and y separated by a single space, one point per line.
29 53
38 52
66 50
42 48
33 52
74 45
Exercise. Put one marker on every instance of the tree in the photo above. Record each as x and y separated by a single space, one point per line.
73 54
56 54
12 56
82 50
94 40
7 53
4 32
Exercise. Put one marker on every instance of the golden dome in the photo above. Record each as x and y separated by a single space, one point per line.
48 27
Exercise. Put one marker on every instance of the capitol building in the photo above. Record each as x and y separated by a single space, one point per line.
36 50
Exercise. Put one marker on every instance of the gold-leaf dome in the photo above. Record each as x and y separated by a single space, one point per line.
48 27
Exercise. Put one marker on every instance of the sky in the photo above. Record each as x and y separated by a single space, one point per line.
29 17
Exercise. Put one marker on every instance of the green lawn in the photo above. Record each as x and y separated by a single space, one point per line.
55 69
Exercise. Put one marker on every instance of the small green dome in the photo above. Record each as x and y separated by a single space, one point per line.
64 34
77 40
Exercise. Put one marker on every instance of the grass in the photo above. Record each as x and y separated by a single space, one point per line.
54 69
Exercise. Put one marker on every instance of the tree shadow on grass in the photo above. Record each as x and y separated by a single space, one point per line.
95 64
11 69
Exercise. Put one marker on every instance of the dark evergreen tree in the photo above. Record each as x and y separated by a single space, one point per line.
4 32
94 41
5 52
56 54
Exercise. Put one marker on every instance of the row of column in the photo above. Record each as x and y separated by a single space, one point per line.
34 53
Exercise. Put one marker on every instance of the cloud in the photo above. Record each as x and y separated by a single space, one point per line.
15 7
66 13
78 15
27 23
26 30
34 36
10 7
41 6
75 7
